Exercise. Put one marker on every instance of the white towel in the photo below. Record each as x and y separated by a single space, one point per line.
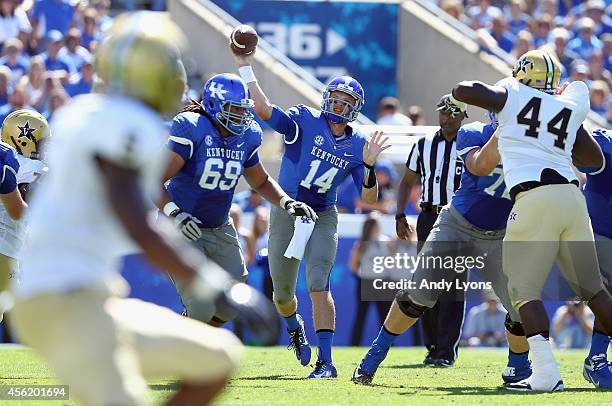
301 234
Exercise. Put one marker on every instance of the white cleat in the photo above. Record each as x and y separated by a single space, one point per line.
536 385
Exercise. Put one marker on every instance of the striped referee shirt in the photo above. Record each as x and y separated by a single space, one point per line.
436 160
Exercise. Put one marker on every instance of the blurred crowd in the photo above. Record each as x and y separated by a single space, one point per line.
46 48
578 33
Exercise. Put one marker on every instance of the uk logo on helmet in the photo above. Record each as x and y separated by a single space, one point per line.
216 90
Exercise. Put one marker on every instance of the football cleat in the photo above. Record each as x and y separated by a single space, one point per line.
443 363
528 385
360 377
429 361
597 371
299 343
324 369
513 374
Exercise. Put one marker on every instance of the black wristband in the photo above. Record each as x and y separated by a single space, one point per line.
400 216
369 176
175 213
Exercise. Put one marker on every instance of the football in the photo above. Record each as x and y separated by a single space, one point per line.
243 40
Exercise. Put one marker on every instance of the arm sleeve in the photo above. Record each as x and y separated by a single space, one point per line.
253 158
413 159
282 122
10 168
357 174
466 142
180 140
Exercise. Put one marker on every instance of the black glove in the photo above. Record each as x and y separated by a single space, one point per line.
300 209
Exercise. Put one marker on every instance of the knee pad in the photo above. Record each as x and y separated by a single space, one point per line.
408 307
514 327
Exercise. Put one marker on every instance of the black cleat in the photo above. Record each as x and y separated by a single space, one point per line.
361 377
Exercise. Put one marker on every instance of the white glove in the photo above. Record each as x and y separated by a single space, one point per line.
187 223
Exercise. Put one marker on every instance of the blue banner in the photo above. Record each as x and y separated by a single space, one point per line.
330 39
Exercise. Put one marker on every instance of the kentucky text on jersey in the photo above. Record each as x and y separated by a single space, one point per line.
329 157
224 153
484 201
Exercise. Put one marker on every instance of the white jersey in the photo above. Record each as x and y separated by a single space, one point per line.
11 231
538 130
74 239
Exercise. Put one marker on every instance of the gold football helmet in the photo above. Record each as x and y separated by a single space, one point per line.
539 70
141 58
24 130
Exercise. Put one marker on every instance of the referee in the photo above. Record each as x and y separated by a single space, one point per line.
434 159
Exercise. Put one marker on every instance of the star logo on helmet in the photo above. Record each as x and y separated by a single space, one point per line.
208 140
216 90
319 140
27 131
523 64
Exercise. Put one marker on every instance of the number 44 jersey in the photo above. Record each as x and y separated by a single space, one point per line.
538 130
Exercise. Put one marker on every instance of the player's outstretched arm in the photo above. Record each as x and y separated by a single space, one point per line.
587 155
482 161
402 228
258 178
263 108
480 94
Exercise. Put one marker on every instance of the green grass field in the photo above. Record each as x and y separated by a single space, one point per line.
271 376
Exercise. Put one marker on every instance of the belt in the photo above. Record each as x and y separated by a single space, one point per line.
532 184
434 208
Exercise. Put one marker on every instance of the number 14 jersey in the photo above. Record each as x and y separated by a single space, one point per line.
538 130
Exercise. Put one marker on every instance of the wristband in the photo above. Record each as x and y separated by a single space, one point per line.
246 73
369 176
284 200
400 216
170 208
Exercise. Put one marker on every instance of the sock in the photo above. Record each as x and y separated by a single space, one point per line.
599 343
518 359
385 339
326 339
542 351
292 322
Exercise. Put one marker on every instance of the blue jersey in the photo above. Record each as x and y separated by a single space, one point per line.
205 185
316 162
10 167
598 189
482 200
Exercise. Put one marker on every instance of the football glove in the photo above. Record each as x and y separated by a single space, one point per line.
214 285
185 222
298 209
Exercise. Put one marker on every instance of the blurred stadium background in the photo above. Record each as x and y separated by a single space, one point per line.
407 54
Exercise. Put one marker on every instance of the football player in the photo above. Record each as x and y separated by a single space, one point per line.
598 194
25 131
321 150
540 135
472 224
105 159
211 146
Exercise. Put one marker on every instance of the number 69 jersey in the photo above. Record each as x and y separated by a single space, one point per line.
538 130
205 185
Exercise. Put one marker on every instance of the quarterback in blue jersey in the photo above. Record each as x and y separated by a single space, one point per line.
211 146
475 220
321 150
598 194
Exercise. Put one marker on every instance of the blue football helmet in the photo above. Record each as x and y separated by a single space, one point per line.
350 86
225 98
